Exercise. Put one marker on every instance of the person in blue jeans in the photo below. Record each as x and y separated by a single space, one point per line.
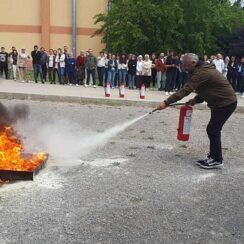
36 61
112 67
71 70
43 61
60 61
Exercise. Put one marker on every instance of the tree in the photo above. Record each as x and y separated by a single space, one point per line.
146 26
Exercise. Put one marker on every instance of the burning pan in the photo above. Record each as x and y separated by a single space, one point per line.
13 175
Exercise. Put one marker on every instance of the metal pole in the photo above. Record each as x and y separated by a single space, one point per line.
107 39
74 27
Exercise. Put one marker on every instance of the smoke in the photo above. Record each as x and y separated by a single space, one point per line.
12 114
65 141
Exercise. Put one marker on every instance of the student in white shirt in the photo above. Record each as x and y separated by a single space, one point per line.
60 60
219 63
101 68
139 71
147 70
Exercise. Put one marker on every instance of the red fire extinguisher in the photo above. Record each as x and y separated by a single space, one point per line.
122 90
184 123
142 91
107 89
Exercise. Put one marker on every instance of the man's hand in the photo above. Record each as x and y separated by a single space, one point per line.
191 102
162 106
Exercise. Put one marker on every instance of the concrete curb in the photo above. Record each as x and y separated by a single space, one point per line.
95 101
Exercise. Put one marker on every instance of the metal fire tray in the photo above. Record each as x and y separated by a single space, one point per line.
13 175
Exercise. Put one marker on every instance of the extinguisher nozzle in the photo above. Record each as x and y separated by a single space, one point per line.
154 110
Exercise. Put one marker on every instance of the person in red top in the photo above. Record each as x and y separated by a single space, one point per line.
80 66
161 75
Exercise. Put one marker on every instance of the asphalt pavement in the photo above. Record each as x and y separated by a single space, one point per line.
139 186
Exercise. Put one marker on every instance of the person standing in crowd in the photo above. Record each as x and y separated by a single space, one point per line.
171 73
147 70
232 72
65 52
241 77
36 61
154 70
60 60
112 67
226 62
23 59
205 59
101 68
182 75
13 59
132 71
51 66
139 71
44 61
107 57
219 63
122 70
80 67
4 62
212 87
71 70
117 71
161 72
91 65
55 52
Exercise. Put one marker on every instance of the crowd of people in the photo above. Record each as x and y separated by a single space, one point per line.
165 72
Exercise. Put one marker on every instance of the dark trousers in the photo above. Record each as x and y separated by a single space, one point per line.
218 118
146 80
4 68
170 80
37 70
51 74
54 76
139 81
182 79
154 76
232 78
241 84
44 71
80 75
72 76
100 72
91 72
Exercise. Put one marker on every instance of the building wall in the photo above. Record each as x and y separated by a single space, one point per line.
21 24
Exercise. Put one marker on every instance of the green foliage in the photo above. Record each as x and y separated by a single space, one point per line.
146 26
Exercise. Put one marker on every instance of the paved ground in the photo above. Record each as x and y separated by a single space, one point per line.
50 92
142 186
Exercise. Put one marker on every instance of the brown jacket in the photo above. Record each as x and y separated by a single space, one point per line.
210 85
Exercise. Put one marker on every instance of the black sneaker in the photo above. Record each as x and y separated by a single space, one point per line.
203 160
210 164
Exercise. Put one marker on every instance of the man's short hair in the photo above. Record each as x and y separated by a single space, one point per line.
193 57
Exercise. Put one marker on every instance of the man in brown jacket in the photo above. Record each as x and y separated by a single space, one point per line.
211 86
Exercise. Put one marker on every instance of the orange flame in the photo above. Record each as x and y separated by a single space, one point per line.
11 153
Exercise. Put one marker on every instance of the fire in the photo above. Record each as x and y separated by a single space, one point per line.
12 155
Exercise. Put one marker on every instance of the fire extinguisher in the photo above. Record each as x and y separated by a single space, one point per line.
142 91
107 89
122 90
184 123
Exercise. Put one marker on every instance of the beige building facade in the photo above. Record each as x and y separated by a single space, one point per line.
48 23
